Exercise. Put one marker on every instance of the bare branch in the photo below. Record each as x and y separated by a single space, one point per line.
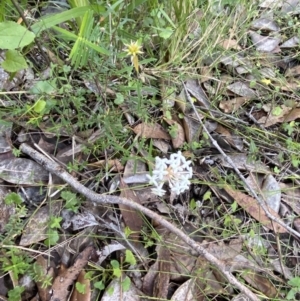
59 171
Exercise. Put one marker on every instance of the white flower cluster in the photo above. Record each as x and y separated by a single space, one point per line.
176 171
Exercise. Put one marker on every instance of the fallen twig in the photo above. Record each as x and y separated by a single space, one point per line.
59 171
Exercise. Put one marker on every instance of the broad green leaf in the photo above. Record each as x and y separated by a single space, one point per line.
207 196
99 285
53 237
165 33
47 87
13 198
116 268
74 37
50 21
14 61
126 284
39 106
55 222
295 282
129 257
15 293
80 287
14 35
277 111
119 99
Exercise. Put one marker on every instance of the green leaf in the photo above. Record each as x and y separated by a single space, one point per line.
72 202
116 268
80 287
44 86
168 115
15 293
129 257
234 206
295 282
53 238
14 61
74 37
192 204
207 196
13 35
119 99
50 21
13 198
277 111
110 291
39 106
99 285
127 231
126 284
291 294
55 222
166 33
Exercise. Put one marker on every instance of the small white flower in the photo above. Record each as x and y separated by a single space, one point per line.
176 171
158 190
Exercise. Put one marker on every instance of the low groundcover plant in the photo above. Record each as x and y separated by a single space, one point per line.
176 171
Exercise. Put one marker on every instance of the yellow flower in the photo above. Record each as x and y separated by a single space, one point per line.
133 49
266 81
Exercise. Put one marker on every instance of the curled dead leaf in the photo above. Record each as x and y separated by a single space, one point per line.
146 130
179 137
251 206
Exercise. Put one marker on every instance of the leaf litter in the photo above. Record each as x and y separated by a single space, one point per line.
260 76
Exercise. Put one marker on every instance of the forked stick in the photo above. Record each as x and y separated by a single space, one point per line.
59 171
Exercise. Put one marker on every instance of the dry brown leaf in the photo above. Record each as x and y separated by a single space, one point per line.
146 130
263 284
263 43
44 290
265 24
241 89
37 227
161 282
115 292
230 44
76 295
225 133
225 252
291 194
271 191
192 129
243 162
205 74
196 90
232 105
270 3
131 217
63 281
291 43
23 171
6 210
272 118
295 71
162 145
292 115
291 85
251 206
114 165
179 138
186 292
